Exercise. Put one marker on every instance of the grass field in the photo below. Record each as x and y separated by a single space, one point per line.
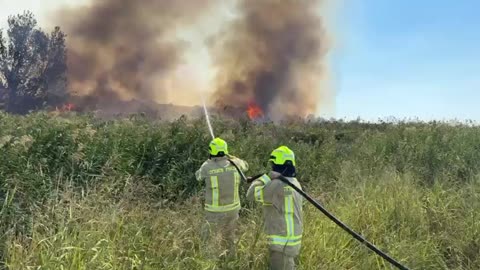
81 193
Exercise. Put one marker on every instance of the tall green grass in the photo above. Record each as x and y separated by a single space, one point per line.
82 193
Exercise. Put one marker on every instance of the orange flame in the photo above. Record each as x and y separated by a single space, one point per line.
66 107
69 107
254 111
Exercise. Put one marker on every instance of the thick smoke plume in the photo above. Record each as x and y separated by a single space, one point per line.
123 49
272 55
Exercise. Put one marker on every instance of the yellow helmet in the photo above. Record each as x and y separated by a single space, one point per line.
281 155
218 145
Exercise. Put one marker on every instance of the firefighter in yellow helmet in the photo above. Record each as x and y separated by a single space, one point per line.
222 200
282 209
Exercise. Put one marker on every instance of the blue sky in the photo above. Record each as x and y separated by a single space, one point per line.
407 58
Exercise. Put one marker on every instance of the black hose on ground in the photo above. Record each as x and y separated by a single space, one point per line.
317 205
343 226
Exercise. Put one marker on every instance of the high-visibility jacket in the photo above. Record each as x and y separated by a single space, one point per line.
282 210
222 183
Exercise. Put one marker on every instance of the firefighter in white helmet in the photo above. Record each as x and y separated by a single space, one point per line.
282 209
222 200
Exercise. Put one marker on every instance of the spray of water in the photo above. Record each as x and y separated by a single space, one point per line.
208 118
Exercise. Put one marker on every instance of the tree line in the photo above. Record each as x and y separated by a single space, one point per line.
33 66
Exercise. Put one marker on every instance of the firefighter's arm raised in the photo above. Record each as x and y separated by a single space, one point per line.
242 164
256 190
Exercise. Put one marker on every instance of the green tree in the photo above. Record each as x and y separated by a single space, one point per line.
32 66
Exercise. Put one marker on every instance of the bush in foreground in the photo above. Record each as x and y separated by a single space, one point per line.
81 193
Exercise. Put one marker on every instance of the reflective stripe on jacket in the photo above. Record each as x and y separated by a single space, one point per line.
282 209
222 183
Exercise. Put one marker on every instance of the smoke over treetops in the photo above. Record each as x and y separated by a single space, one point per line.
271 54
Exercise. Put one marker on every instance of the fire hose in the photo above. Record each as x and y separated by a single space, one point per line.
317 205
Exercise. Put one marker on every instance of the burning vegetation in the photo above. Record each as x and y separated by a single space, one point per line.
122 56
254 111
271 59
